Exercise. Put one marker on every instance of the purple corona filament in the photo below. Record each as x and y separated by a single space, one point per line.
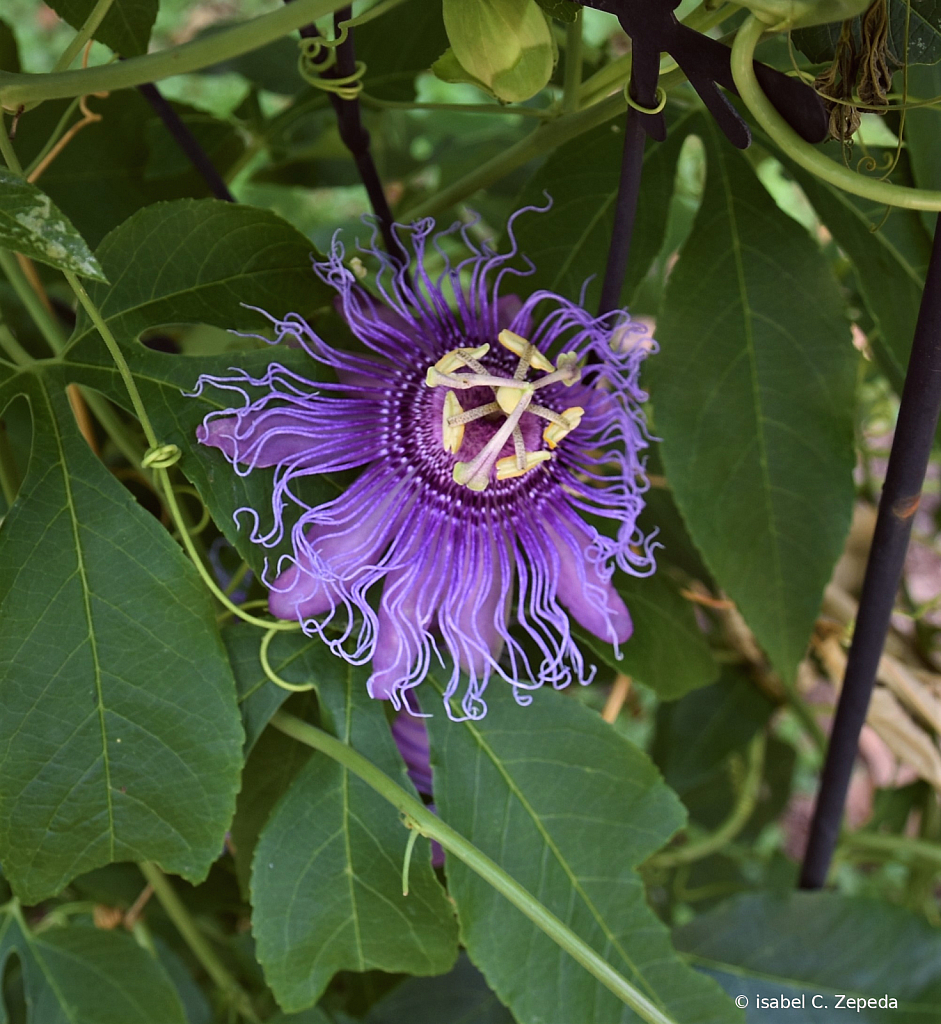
486 429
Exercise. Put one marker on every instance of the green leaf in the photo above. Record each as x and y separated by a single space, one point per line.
125 28
922 138
889 260
562 10
695 735
327 874
753 394
568 807
272 765
82 975
914 32
569 244
668 651
32 224
120 737
200 261
820 943
459 996
391 70
101 177
9 53
289 655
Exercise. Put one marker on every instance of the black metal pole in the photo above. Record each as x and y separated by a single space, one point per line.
625 212
908 461
187 142
354 134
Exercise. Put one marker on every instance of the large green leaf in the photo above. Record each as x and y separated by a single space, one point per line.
125 28
570 243
120 737
914 32
81 975
922 137
824 945
668 651
753 394
30 223
568 807
327 874
200 261
889 257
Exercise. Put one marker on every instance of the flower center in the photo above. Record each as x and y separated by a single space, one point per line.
510 397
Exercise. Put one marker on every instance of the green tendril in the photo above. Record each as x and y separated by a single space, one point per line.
161 456
660 104
270 672
312 67
413 835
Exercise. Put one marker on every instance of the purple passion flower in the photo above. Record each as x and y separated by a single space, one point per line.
492 435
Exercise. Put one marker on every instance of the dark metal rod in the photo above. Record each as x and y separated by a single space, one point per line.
187 142
625 212
354 134
905 474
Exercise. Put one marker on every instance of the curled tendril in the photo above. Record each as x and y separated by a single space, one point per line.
661 98
162 456
204 517
312 65
270 672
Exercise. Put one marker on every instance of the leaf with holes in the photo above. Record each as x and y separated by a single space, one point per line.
327 875
31 224
200 261
753 394
568 807
117 699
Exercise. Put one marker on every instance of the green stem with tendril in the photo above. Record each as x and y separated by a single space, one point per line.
454 843
18 90
810 157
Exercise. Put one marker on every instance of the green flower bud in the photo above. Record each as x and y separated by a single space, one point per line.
505 45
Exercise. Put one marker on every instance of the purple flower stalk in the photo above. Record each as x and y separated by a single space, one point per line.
486 428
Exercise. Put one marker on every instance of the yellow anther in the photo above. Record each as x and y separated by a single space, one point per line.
567 364
356 265
459 357
508 468
508 398
452 436
554 432
461 475
525 350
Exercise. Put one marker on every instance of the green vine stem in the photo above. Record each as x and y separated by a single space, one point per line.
811 158
17 90
894 847
454 843
573 63
736 821
176 910
88 29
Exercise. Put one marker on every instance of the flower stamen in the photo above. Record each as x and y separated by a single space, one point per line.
452 433
459 357
508 468
527 351
571 418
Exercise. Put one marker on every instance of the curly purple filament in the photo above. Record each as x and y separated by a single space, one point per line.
477 541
